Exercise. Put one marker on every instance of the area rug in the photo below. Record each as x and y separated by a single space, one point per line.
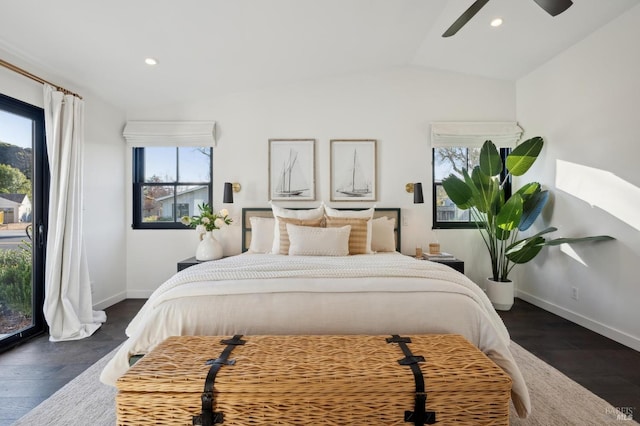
556 400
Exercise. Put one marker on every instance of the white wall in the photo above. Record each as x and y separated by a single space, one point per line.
394 107
104 219
585 104
105 209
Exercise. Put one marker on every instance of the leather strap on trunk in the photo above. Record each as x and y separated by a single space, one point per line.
208 417
419 416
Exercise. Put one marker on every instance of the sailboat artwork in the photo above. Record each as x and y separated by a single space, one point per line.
291 182
353 170
355 185
292 169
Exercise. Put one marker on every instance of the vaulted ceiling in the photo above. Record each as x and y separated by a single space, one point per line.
208 48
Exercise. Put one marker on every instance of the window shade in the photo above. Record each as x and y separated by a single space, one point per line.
473 134
170 133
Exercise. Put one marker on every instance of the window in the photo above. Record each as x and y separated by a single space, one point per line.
452 160
168 183
456 146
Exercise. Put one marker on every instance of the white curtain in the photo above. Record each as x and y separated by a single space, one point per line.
68 304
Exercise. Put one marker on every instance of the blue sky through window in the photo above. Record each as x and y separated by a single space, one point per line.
15 129
194 165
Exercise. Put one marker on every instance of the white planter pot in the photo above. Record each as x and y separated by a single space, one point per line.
209 248
500 294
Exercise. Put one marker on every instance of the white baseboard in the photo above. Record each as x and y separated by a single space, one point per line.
138 294
613 334
103 304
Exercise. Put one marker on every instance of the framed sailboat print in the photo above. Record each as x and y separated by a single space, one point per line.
353 170
292 169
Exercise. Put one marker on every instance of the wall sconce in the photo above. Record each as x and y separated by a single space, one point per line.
229 189
416 189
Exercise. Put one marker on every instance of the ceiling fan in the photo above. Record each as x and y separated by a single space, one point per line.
552 7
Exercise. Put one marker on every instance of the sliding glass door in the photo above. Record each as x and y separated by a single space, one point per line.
24 177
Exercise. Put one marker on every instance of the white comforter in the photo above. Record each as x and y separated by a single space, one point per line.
364 294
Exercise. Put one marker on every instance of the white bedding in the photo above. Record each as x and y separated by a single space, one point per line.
365 294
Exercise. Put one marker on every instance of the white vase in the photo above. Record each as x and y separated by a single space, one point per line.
209 248
500 293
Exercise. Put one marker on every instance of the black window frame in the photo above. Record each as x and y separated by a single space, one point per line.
138 162
504 152
40 180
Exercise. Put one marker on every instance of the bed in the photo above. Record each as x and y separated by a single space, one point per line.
316 289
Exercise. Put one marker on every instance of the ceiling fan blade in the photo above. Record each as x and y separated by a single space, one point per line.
465 17
554 7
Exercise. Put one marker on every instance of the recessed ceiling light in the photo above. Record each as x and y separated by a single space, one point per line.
496 22
150 61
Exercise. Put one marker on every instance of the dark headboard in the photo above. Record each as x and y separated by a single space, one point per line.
249 212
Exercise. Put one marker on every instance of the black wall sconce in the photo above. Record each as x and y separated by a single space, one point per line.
229 189
416 189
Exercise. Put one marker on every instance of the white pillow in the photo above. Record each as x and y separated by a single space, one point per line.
304 214
382 234
261 234
314 241
358 214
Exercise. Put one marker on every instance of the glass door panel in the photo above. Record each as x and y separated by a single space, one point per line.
21 213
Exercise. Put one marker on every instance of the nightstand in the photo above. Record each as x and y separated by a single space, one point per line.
184 264
456 264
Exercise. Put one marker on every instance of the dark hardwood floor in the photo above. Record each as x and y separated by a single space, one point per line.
30 373
33 371
606 368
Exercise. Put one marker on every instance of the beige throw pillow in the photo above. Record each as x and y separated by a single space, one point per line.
278 211
383 237
312 241
359 242
261 234
284 235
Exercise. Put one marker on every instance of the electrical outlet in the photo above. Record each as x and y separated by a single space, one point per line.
574 293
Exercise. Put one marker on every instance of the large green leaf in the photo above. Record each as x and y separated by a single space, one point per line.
527 250
532 208
497 202
490 161
474 191
458 191
558 241
502 234
517 244
524 155
509 216
486 188
528 190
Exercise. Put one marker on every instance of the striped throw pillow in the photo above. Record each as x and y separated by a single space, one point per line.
359 241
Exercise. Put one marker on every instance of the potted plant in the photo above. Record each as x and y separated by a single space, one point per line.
499 219
209 248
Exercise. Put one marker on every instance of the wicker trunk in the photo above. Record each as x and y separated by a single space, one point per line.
314 380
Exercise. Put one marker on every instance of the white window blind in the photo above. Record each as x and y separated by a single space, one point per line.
473 134
170 133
